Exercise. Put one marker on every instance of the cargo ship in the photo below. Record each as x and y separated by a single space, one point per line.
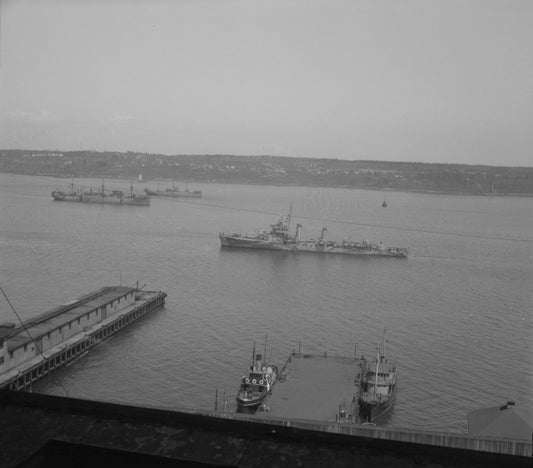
174 192
256 385
113 197
279 238
378 388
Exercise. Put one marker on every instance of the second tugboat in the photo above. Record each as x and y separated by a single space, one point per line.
378 389
256 385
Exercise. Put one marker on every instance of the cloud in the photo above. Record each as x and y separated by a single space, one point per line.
38 117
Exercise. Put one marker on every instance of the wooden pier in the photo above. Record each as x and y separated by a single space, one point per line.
23 376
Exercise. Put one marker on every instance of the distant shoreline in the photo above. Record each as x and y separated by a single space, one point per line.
382 176
344 187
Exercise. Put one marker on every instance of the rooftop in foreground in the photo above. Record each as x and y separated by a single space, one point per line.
40 430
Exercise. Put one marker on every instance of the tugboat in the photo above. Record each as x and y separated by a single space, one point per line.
378 389
256 385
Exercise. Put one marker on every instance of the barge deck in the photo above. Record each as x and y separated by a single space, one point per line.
317 387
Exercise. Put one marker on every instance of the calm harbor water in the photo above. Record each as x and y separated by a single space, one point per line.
458 311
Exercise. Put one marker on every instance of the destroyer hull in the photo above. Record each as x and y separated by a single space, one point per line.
227 241
303 246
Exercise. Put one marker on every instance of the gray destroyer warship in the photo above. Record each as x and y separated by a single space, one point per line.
279 238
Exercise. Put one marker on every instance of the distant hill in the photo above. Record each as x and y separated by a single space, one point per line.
275 170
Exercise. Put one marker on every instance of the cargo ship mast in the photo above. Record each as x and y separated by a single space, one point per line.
377 370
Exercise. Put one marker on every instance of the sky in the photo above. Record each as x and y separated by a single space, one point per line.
446 81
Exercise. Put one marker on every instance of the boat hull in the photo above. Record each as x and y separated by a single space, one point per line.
251 243
115 200
369 412
106 200
250 402
60 196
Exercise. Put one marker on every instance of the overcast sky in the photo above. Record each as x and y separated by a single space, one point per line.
411 80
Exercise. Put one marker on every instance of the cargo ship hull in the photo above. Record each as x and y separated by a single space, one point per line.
174 193
116 200
113 199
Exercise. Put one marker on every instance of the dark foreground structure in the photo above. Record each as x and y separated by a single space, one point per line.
49 431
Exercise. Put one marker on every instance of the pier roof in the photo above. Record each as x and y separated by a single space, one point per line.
53 319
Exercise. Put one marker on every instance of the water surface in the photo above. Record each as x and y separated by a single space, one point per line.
458 311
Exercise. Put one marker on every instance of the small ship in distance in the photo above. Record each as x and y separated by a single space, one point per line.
279 238
174 192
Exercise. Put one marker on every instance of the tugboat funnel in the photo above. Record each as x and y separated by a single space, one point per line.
258 358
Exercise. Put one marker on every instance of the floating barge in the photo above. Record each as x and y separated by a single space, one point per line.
53 339
317 387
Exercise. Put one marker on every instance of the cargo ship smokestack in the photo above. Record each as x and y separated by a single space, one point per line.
298 232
